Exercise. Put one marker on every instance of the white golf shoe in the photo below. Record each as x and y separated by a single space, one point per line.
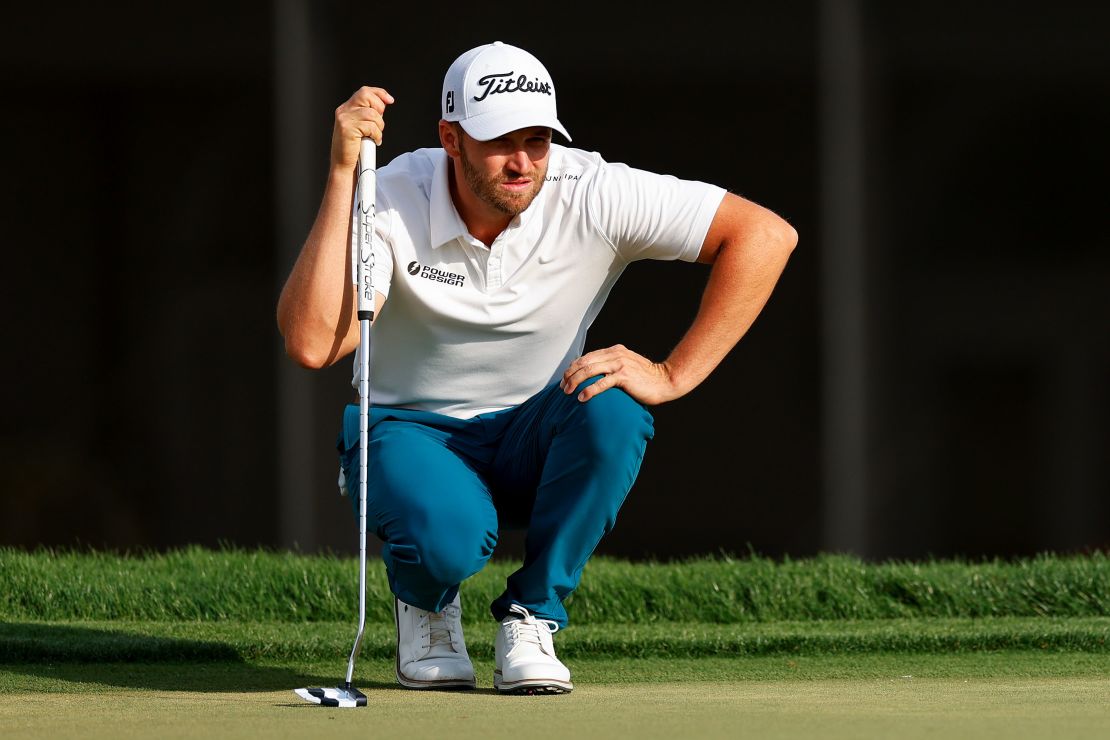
525 656
431 653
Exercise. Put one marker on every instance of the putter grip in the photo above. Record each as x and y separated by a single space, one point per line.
364 194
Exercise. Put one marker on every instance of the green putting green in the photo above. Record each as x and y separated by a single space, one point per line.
625 698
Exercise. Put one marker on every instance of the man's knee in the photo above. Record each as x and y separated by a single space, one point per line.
447 548
612 419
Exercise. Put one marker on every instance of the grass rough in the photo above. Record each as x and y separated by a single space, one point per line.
241 585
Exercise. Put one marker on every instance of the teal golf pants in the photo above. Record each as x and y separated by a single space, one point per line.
439 490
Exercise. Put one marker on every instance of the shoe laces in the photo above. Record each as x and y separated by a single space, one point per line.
528 629
438 628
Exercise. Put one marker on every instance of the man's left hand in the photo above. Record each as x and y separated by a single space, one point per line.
648 382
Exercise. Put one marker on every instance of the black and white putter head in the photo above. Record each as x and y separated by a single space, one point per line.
340 696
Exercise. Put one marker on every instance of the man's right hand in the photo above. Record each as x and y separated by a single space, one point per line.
360 117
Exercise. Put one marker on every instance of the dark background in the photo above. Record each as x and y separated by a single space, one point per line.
929 378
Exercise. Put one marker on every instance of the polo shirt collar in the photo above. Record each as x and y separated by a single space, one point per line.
446 224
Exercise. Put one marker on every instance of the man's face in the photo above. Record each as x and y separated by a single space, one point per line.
507 172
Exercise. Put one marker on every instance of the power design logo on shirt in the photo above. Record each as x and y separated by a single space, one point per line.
435 274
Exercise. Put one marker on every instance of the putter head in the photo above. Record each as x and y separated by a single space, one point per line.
340 696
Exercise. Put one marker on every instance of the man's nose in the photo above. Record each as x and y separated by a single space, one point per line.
519 162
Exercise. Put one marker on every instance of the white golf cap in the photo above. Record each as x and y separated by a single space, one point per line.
497 88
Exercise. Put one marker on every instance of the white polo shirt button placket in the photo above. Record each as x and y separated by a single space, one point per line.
493 265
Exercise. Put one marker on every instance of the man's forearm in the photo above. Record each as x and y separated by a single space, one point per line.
315 310
743 275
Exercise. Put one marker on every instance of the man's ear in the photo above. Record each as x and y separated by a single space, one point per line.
449 138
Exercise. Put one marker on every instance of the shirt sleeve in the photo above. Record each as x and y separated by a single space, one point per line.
651 216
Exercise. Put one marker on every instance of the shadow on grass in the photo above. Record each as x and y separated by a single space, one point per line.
47 653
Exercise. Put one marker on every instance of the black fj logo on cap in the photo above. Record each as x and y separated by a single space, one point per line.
450 101
435 274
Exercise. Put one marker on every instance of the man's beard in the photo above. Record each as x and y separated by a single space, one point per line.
511 204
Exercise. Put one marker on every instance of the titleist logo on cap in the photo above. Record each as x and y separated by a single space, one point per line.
503 82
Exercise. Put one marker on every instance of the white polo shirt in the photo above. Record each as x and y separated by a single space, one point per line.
468 329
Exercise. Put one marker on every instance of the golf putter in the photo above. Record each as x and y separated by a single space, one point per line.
346 695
